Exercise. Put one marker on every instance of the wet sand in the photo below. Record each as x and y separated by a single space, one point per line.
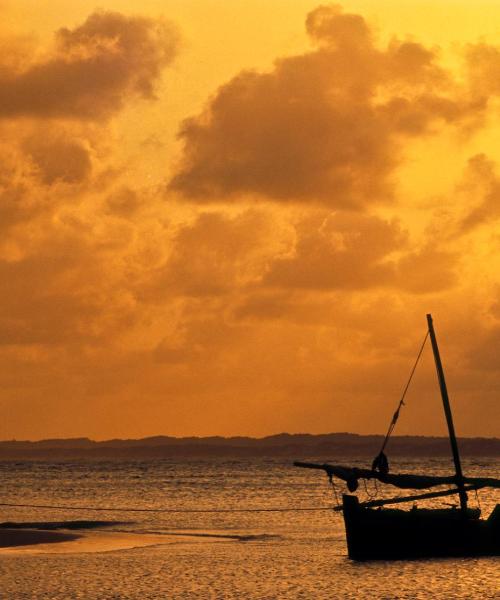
59 538
12 538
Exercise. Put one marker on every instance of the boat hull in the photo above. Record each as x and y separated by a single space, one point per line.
389 534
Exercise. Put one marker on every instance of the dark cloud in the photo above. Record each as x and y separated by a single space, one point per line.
59 159
92 71
34 310
482 353
329 25
16 205
213 255
270 306
62 290
482 189
494 309
259 261
352 251
427 269
201 334
483 62
322 126
342 251
123 202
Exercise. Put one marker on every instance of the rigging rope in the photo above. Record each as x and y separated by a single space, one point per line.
380 462
369 495
169 510
478 501
334 489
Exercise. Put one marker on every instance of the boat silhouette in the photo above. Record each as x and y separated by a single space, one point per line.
377 533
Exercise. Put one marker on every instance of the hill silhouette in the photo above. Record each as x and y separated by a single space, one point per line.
280 445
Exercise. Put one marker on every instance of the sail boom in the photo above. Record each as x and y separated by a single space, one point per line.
402 480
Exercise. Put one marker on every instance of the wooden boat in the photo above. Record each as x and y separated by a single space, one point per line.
374 532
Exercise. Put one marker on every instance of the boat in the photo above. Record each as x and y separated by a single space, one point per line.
377 532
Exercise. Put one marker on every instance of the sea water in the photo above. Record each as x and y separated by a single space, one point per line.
289 554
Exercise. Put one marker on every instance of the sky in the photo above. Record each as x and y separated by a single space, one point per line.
231 218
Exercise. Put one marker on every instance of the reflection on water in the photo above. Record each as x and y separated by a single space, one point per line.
216 555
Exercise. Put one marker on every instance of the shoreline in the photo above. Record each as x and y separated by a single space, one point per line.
61 538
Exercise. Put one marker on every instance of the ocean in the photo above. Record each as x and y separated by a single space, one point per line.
169 555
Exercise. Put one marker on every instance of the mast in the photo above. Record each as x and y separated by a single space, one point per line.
449 419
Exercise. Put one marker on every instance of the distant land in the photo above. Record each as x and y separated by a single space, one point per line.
330 445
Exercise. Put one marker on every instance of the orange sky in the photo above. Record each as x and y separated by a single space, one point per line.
231 218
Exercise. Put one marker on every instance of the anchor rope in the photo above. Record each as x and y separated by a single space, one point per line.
167 510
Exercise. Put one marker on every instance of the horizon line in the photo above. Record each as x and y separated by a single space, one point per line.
231 437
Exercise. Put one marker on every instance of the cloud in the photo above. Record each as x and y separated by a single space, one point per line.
483 356
348 251
325 126
51 294
92 70
327 24
123 202
214 255
59 159
342 251
44 168
427 269
16 205
34 310
483 62
480 183
201 333
268 305
256 261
